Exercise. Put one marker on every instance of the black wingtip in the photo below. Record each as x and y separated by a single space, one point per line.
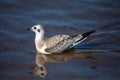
88 33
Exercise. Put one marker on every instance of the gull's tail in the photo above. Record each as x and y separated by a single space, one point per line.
81 37
87 33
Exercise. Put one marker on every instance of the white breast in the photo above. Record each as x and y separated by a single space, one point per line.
42 50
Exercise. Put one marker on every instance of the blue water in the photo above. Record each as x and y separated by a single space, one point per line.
97 58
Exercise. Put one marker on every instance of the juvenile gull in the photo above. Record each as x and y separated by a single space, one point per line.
57 43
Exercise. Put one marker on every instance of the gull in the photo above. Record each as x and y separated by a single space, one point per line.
57 43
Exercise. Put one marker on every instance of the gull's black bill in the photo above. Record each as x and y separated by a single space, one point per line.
28 29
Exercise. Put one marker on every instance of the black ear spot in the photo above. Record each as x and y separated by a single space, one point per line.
41 68
38 30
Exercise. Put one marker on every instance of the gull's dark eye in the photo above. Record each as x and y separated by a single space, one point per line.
34 27
38 30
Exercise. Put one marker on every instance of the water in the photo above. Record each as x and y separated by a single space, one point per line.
97 58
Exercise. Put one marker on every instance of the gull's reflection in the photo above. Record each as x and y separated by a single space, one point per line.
43 59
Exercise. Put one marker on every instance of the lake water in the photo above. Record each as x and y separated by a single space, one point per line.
97 58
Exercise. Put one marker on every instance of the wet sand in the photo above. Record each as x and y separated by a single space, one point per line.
97 58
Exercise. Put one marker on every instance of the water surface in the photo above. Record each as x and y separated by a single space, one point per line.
97 58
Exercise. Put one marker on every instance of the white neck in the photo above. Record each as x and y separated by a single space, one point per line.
39 36
39 39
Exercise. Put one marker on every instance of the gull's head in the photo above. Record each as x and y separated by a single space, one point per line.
37 29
